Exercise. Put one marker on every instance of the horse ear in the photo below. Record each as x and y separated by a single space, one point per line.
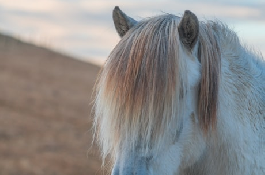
188 29
122 22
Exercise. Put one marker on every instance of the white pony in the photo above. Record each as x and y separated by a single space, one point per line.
178 96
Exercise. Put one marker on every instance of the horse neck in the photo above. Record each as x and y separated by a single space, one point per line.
240 117
243 77
241 105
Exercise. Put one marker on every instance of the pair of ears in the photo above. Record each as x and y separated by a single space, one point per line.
188 27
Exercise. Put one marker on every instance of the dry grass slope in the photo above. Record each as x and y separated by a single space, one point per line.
45 112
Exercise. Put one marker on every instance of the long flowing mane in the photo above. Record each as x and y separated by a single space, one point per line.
142 88
209 55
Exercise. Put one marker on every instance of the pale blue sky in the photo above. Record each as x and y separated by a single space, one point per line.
84 28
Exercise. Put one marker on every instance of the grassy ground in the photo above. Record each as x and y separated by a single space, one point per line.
45 106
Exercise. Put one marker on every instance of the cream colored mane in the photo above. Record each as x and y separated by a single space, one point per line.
141 90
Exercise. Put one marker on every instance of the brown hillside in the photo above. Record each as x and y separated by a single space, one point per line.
45 105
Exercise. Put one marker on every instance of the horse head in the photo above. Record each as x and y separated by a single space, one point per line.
157 94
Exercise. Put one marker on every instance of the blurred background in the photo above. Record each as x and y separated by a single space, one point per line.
84 28
50 55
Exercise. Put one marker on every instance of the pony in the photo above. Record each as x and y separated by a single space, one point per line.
179 96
